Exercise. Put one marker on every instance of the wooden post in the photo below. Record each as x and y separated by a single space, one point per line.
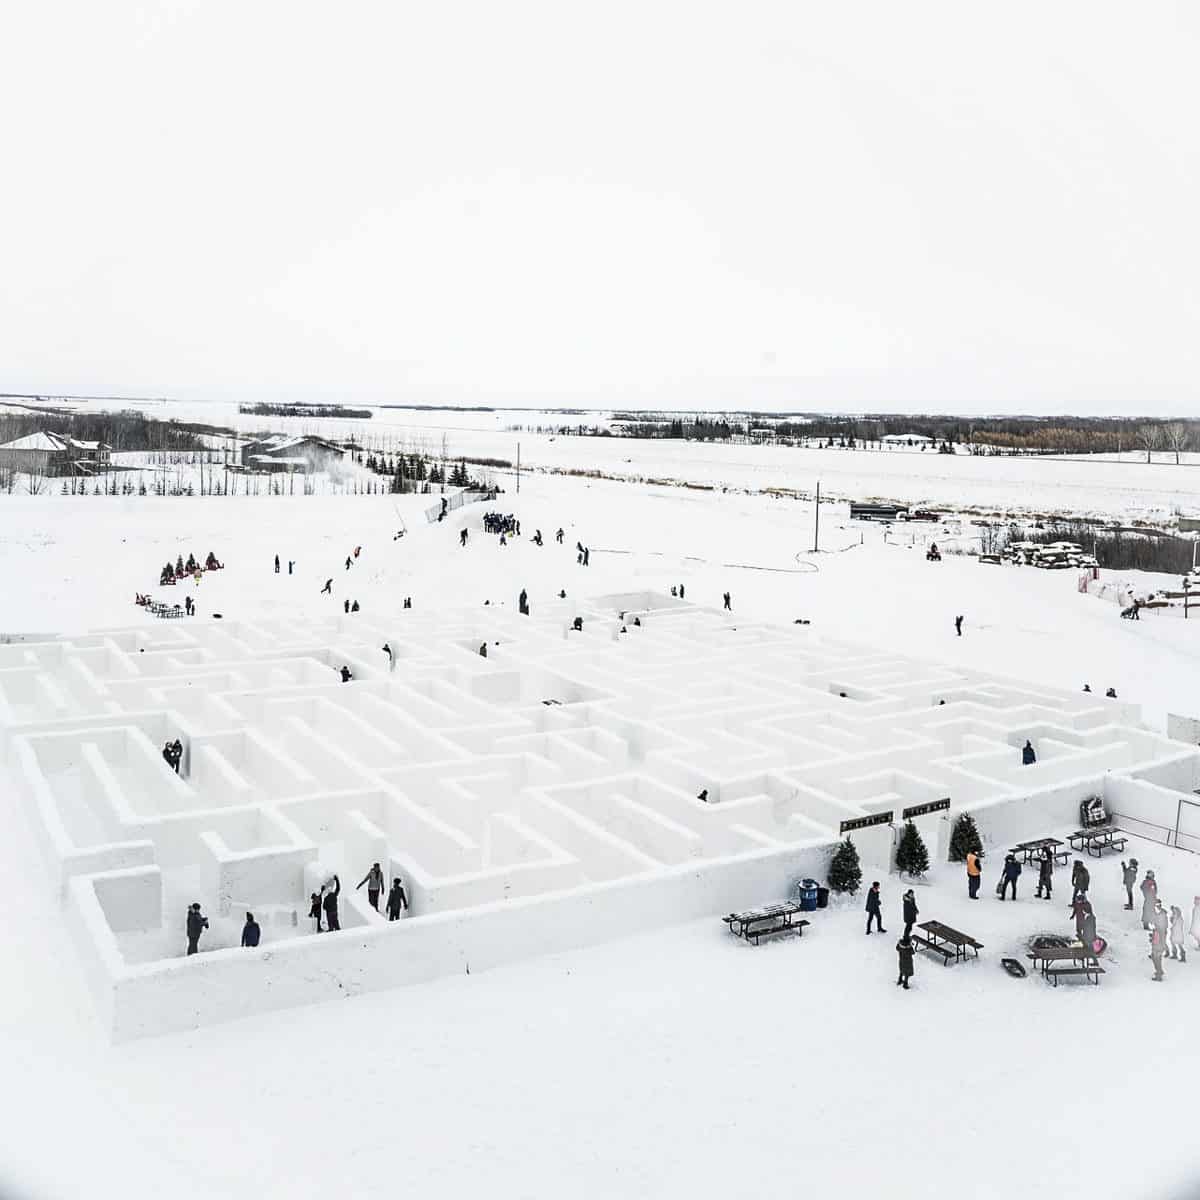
817 520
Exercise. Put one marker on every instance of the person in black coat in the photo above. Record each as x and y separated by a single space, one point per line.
197 923
1081 880
397 901
874 909
1129 872
314 911
330 904
904 951
1012 872
250 932
911 912
1028 756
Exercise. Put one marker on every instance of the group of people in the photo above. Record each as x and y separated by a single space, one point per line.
1111 694
197 923
502 523
1167 929
905 949
172 753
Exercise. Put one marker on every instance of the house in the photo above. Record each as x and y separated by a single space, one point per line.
55 454
283 452
906 439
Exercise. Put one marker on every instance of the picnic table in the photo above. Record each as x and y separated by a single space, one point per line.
757 923
949 943
1077 960
1030 850
1096 841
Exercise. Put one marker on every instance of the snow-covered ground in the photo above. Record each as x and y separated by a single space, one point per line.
653 1066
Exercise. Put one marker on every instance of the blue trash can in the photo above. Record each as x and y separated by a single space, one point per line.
806 895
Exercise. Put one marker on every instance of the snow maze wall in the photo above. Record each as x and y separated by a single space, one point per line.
537 799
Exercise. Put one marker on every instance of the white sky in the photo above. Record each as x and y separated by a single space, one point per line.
778 205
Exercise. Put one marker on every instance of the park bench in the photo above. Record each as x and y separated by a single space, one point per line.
949 943
1068 960
1096 841
762 922
1030 850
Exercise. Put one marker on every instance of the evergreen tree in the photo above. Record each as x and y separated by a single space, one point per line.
911 856
964 838
845 874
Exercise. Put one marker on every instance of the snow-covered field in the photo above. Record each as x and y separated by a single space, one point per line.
679 1063
1124 487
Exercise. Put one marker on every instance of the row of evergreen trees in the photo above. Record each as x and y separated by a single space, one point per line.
409 471
912 857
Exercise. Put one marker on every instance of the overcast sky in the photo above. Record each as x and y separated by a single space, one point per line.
842 205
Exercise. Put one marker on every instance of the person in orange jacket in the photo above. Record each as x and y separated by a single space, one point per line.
974 873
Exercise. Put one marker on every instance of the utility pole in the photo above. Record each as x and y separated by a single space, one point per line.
817 520
518 468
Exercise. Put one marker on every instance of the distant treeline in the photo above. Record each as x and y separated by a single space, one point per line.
120 430
300 409
1118 549
980 435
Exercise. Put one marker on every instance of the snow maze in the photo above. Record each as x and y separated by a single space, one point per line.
539 798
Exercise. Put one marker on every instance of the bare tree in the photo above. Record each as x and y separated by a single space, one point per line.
1178 436
1149 438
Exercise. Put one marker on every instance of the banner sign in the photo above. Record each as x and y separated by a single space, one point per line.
884 818
920 810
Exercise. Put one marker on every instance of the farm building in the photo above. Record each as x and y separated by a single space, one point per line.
282 452
53 454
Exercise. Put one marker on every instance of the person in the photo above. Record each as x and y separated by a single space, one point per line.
1028 756
357 551
1161 921
1111 694
408 602
291 564
1195 925
637 621
387 649
250 932
577 624
674 590
330 904
374 881
1087 687
328 588
1149 890
1081 880
314 911
958 625
874 908
562 593
483 649
523 602
681 591
703 795
189 605
277 564
1156 954
904 952
974 873
1086 927
587 556
911 912
728 603
349 561
1012 871
503 540
462 537
396 900
1178 947
197 923
354 607
1045 872
168 753
346 673
176 754
537 537
346 605
1079 910
558 537
1128 879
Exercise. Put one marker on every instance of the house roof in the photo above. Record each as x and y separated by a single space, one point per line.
51 441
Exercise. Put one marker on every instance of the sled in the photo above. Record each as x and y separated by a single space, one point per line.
1014 968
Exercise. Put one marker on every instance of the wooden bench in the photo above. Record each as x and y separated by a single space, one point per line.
948 953
1055 972
763 922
